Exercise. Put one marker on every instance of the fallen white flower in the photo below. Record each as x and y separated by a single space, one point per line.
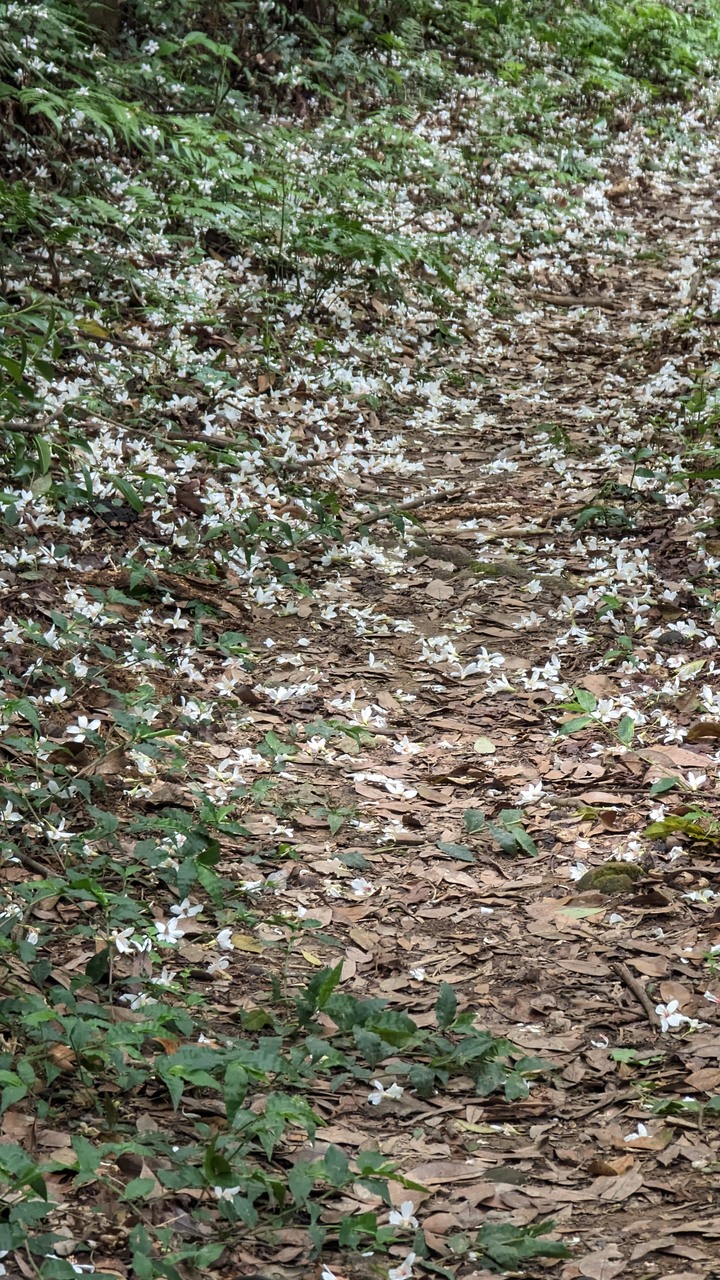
380 1093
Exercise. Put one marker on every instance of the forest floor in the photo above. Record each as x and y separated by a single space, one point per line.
454 646
453 745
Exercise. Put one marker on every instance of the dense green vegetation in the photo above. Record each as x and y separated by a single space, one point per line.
274 131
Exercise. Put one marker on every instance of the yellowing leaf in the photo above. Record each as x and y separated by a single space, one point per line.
93 329
691 668
311 959
245 942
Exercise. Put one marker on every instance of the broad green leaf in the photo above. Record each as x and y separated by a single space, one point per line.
422 1080
585 699
459 851
505 839
575 724
525 841
516 1087
662 785
44 453
235 1089
26 709
474 820
336 1167
371 1046
445 1006
301 1180
393 1026
139 1188
626 730
129 493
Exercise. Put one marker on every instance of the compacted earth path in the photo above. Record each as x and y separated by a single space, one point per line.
362 725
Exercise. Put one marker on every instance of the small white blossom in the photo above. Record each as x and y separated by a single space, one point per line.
640 1132
120 939
183 909
404 1271
380 1093
169 931
669 1015
361 888
531 793
137 1000
78 732
165 978
398 789
403 1217
226 1193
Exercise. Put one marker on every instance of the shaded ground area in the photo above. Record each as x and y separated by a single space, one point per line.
378 665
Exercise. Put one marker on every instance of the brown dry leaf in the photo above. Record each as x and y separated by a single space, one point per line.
673 758
703 729
62 1057
105 766
651 1246
611 1168
601 686
603 1264
676 991
169 1044
439 1224
708 1227
588 769
705 1079
618 1188
439 590
436 795
687 1275
436 1173
654 1141
651 966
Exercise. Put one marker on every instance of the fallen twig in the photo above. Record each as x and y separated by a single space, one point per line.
425 500
412 504
33 428
31 864
569 300
522 531
459 491
639 992
177 437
